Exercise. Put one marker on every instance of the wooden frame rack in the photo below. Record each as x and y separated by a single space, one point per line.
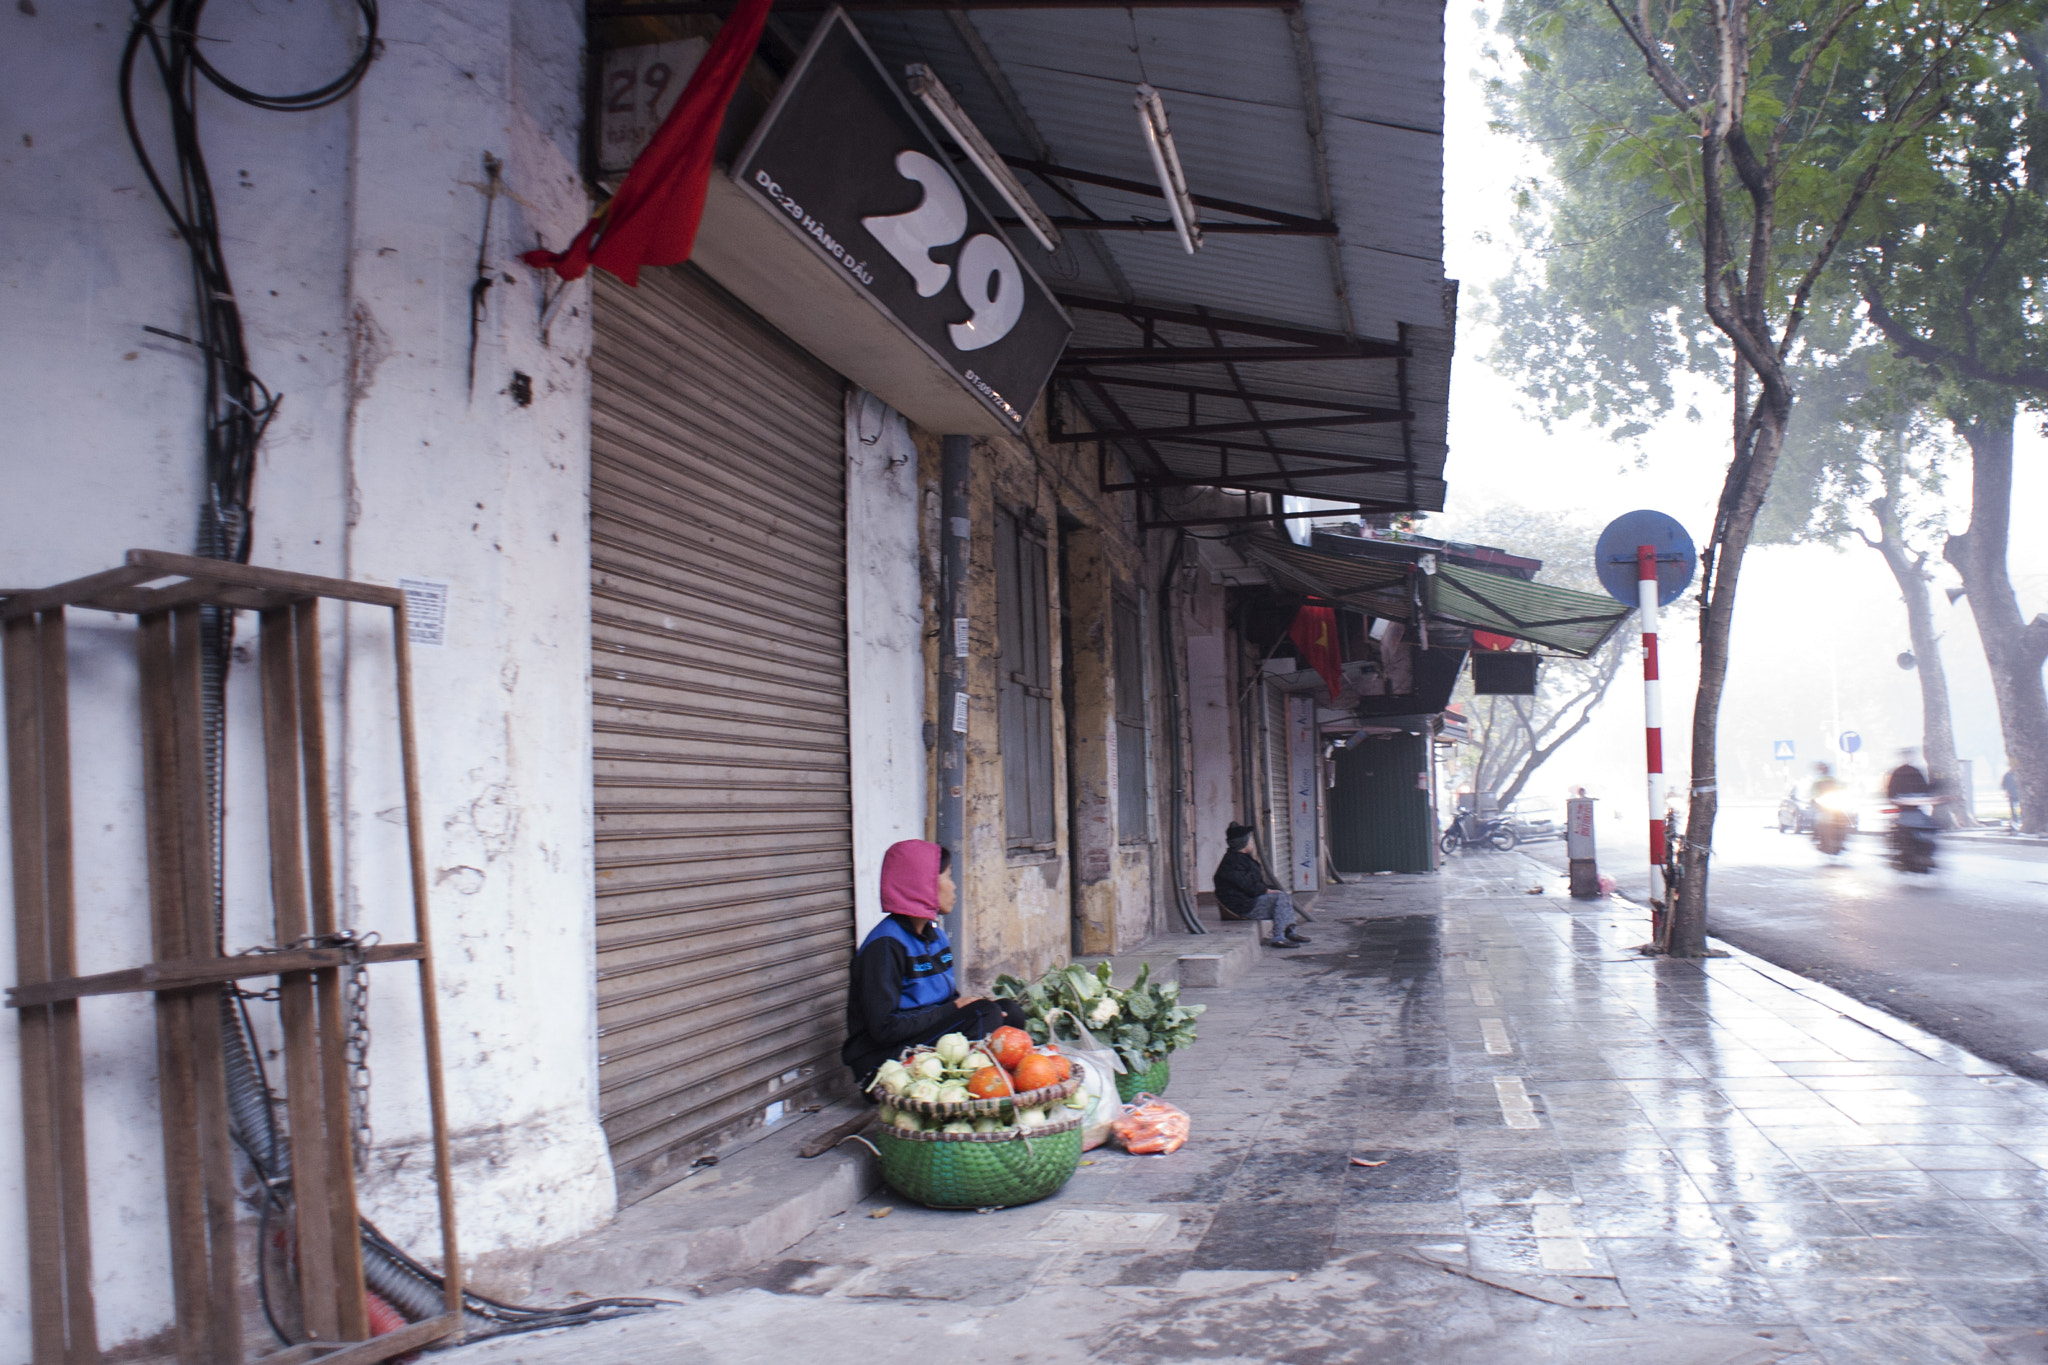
190 972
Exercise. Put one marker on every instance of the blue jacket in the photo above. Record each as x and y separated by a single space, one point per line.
903 988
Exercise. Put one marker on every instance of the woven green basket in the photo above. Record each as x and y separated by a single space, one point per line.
979 1170
1151 1081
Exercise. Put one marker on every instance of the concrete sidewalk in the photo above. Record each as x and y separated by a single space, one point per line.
1589 1157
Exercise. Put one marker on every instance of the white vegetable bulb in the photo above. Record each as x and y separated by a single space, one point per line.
953 1047
930 1065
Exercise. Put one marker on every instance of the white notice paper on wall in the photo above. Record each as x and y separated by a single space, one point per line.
426 610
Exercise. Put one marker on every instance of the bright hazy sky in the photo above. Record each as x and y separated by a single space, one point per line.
1817 629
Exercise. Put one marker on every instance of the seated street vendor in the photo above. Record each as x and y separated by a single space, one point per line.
1245 891
903 984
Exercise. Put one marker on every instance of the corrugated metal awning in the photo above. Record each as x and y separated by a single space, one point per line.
1305 349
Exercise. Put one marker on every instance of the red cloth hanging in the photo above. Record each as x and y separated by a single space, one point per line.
1314 633
653 218
1486 639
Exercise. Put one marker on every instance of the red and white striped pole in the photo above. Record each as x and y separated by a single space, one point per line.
1653 730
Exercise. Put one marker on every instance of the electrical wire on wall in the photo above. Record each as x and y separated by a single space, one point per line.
236 409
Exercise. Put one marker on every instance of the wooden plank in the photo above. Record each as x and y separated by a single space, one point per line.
408 1338
306 1118
836 1134
49 1303
186 973
352 1311
68 1089
177 1100
222 1324
15 606
162 565
430 1005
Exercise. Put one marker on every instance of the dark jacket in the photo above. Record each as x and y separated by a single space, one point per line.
1240 880
877 1025
1906 780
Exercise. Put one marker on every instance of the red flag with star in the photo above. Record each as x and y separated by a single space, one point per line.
1314 633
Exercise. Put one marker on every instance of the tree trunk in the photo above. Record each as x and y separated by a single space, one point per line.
1937 730
1749 480
2014 649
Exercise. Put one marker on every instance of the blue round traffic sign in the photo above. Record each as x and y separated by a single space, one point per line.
1614 558
1850 741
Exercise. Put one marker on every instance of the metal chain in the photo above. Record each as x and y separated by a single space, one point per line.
356 1050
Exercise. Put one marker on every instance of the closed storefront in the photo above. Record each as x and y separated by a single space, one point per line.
1380 814
718 635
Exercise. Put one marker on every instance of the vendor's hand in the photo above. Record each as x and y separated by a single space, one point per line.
963 1002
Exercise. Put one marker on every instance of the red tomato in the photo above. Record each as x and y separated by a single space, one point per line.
1008 1046
991 1082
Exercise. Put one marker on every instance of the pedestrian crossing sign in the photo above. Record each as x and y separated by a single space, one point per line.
1782 749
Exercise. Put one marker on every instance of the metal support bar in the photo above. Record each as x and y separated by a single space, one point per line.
1196 355
719 9
1143 313
1070 224
1235 395
1300 222
1366 418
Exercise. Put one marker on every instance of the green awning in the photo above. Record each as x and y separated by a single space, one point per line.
1376 586
1574 623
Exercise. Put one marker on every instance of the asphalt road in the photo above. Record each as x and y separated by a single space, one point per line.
1963 953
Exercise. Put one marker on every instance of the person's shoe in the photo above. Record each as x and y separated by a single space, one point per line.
1285 942
1297 941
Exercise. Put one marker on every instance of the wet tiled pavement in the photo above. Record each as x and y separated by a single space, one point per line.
1742 1165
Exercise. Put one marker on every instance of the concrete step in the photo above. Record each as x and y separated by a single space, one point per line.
759 1200
1216 958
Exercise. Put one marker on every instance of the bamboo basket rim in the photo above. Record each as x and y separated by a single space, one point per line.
1007 1135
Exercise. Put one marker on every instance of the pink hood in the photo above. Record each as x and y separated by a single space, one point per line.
910 879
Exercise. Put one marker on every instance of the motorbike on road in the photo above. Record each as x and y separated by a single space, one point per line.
1834 820
1478 831
1912 833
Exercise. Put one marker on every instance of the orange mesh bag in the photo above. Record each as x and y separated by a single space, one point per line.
1149 1126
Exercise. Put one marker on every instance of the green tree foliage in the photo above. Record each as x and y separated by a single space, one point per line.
1753 144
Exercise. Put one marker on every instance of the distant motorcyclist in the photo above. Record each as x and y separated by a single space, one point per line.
1913 823
1907 779
1831 815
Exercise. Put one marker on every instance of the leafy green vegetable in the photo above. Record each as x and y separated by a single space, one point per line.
1148 1020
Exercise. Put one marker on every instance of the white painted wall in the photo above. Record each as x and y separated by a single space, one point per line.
885 658
353 236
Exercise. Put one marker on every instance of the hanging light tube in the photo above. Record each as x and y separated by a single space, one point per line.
943 107
1166 165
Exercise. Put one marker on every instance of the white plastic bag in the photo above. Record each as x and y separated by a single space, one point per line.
1098 1066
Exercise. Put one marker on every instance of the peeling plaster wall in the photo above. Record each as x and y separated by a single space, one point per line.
1213 715
1019 910
353 235
885 662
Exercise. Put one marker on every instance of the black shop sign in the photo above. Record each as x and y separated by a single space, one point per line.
844 161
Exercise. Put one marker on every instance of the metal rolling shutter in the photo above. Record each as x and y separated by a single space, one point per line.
1279 796
718 678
